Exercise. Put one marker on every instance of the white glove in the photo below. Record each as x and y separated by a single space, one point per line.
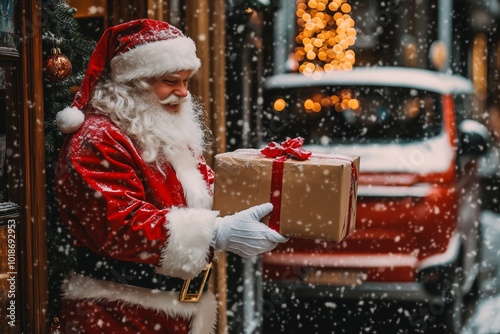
244 234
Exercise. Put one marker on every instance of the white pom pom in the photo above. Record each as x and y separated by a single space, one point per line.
69 119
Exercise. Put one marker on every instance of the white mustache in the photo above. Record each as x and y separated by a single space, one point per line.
172 99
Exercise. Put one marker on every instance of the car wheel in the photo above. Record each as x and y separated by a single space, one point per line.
450 320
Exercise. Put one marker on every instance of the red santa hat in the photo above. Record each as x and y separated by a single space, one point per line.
141 48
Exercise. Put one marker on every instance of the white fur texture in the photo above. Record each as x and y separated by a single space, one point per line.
204 312
196 190
155 59
187 250
69 119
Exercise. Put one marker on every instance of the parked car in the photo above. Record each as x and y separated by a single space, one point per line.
417 232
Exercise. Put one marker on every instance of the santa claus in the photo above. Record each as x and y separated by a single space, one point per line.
135 192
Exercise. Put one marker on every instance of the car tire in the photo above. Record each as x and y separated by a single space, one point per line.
450 320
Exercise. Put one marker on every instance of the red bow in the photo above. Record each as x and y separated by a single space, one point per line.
290 147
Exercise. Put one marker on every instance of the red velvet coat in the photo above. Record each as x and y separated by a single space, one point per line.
118 206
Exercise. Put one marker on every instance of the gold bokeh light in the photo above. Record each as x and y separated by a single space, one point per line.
340 102
326 31
279 105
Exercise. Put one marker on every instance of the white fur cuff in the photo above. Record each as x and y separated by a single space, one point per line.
188 246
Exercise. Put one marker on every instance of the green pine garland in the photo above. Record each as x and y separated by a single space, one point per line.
60 25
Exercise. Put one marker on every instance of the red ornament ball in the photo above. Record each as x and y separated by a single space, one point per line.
57 67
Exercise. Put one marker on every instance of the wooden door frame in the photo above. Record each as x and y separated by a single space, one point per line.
31 195
26 174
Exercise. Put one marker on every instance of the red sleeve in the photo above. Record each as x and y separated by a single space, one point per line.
103 200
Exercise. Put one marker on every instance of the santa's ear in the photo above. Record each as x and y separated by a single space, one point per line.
69 119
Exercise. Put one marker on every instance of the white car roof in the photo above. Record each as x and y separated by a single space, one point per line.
437 82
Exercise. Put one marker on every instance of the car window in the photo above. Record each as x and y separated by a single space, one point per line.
332 115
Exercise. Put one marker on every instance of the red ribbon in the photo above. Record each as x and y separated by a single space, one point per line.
275 194
354 179
290 148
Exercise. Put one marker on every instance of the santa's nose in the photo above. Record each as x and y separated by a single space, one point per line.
181 90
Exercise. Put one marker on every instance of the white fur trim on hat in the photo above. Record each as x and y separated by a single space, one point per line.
69 119
202 313
155 59
188 247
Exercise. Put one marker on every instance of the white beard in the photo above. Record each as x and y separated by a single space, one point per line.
174 137
181 138
178 132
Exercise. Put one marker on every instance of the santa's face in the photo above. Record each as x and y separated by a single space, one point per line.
171 88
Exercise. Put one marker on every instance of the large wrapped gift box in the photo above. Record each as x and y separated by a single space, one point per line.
314 198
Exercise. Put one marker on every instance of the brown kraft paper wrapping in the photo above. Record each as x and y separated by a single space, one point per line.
318 195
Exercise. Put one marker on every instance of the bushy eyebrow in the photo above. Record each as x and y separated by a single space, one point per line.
170 76
177 76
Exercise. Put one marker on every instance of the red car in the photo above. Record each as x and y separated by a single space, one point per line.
417 228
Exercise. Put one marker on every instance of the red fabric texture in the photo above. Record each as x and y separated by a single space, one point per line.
122 215
101 316
122 212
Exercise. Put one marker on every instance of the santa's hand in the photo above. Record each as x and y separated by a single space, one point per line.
244 234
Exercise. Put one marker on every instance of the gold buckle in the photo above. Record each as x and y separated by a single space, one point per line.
184 296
